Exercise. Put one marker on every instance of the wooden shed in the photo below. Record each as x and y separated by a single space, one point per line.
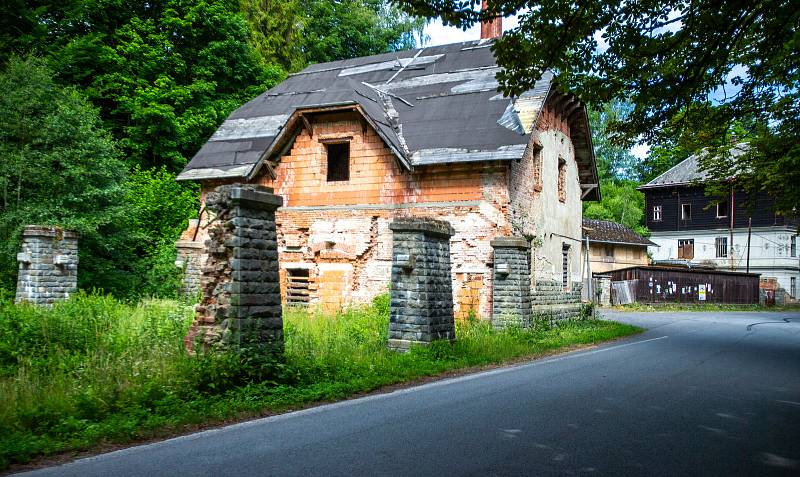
660 284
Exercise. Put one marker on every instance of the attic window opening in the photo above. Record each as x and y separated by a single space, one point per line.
562 179
338 154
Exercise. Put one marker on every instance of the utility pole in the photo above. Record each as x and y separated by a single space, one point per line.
730 233
589 290
749 227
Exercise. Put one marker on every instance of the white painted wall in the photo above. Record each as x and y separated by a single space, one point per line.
770 251
556 222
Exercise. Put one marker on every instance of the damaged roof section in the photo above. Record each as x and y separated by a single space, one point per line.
434 105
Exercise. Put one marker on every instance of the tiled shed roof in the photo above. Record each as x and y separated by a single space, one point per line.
605 231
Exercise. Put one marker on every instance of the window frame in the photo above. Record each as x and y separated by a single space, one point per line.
682 243
336 143
684 207
725 216
721 244
793 246
658 215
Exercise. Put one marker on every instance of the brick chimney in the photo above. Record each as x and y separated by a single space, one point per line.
491 28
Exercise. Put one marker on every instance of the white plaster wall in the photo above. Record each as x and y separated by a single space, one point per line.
556 222
770 250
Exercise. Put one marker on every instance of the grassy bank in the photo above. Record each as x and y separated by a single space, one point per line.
92 370
708 307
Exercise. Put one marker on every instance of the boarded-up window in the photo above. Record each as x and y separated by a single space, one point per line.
338 161
297 287
565 266
793 287
794 246
562 180
686 249
721 244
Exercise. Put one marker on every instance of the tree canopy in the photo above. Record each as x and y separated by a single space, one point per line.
687 66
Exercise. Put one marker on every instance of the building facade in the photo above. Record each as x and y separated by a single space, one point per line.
613 246
689 226
353 144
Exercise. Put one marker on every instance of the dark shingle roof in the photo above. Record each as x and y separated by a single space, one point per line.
433 105
605 231
688 171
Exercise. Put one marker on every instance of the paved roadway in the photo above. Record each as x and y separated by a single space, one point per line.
697 394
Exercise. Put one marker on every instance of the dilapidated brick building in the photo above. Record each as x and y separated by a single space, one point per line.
352 144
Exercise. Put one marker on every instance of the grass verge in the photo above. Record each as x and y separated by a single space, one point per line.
92 371
708 307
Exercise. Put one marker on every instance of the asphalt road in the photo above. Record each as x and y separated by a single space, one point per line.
697 394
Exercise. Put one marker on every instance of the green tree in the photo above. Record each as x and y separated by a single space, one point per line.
164 73
621 203
614 162
691 66
352 28
276 31
59 166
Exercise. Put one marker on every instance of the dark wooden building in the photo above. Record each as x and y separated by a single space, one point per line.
712 232
657 284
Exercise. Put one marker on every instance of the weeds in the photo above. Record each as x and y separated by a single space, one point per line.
93 370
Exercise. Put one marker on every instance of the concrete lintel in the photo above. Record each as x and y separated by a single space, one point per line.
510 242
45 231
258 198
437 228
189 244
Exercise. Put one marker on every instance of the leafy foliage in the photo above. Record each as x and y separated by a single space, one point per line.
164 73
353 28
621 203
59 166
695 67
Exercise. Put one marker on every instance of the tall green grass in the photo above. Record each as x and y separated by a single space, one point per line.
93 370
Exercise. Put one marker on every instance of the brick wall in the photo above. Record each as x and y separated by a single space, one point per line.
339 232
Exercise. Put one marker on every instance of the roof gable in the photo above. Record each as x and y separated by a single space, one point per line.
434 105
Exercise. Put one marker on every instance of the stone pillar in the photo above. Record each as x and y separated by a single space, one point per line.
511 293
48 265
421 307
241 303
190 259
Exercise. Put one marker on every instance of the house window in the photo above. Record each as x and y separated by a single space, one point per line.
722 209
721 244
794 246
297 293
656 213
562 180
686 211
338 161
565 266
608 250
793 287
686 249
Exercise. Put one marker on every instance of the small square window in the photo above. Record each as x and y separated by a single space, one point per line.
338 161
722 209
686 211
656 213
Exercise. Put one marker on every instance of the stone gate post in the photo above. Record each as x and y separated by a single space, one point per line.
511 293
421 308
241 303
48 265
